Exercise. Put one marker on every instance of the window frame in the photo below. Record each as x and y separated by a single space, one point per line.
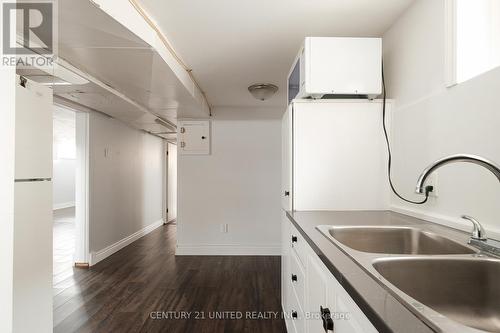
451 43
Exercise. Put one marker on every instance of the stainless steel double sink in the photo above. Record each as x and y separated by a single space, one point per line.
448 277
396 240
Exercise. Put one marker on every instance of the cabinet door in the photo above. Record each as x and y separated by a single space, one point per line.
286 159
317 291
285 260
345 323
348 316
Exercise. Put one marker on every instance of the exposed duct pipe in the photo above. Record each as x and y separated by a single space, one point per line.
166 123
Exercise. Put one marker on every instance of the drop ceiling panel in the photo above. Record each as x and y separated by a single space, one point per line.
232 44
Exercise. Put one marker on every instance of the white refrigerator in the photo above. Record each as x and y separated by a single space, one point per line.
334 155
32 280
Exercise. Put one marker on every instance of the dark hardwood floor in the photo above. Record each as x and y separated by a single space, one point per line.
144 281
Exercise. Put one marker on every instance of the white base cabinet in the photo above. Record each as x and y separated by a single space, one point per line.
309 287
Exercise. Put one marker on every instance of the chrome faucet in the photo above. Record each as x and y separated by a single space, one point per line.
478 231
494 168
478 237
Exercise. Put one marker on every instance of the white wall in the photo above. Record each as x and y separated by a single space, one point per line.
126 182
238 184
7 135
172 182
431 121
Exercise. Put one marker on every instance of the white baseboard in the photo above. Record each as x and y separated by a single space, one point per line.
63 205
227 250
456 223
95 257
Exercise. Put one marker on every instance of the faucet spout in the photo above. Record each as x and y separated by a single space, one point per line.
467 158
478 231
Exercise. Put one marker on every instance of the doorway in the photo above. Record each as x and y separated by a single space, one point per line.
63 193
70 169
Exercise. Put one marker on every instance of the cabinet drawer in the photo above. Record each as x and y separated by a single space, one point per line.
296 314
297 279
298 245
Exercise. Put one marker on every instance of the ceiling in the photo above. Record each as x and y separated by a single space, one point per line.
103 66
96 44
232 44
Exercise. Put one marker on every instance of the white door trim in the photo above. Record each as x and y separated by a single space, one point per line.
82 253
165 182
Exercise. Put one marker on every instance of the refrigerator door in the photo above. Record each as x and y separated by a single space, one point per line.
33 257
33 131
286 159
339 154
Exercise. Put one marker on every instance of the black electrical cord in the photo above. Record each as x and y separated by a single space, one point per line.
389 160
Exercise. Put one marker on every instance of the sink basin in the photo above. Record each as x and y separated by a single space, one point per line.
466 290
396 240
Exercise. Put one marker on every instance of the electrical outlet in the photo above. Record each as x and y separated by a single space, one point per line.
432 180
224 228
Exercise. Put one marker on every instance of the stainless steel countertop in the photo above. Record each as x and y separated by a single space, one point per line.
386 307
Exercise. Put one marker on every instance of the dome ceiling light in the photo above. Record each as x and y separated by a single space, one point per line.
262 91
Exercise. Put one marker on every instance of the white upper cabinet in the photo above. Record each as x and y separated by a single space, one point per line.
339 157
337 65
344 65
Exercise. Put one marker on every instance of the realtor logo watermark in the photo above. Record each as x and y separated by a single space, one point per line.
29 33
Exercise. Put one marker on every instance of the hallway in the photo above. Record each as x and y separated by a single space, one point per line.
63 246
120 293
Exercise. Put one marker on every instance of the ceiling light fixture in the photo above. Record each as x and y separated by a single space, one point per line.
262 91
